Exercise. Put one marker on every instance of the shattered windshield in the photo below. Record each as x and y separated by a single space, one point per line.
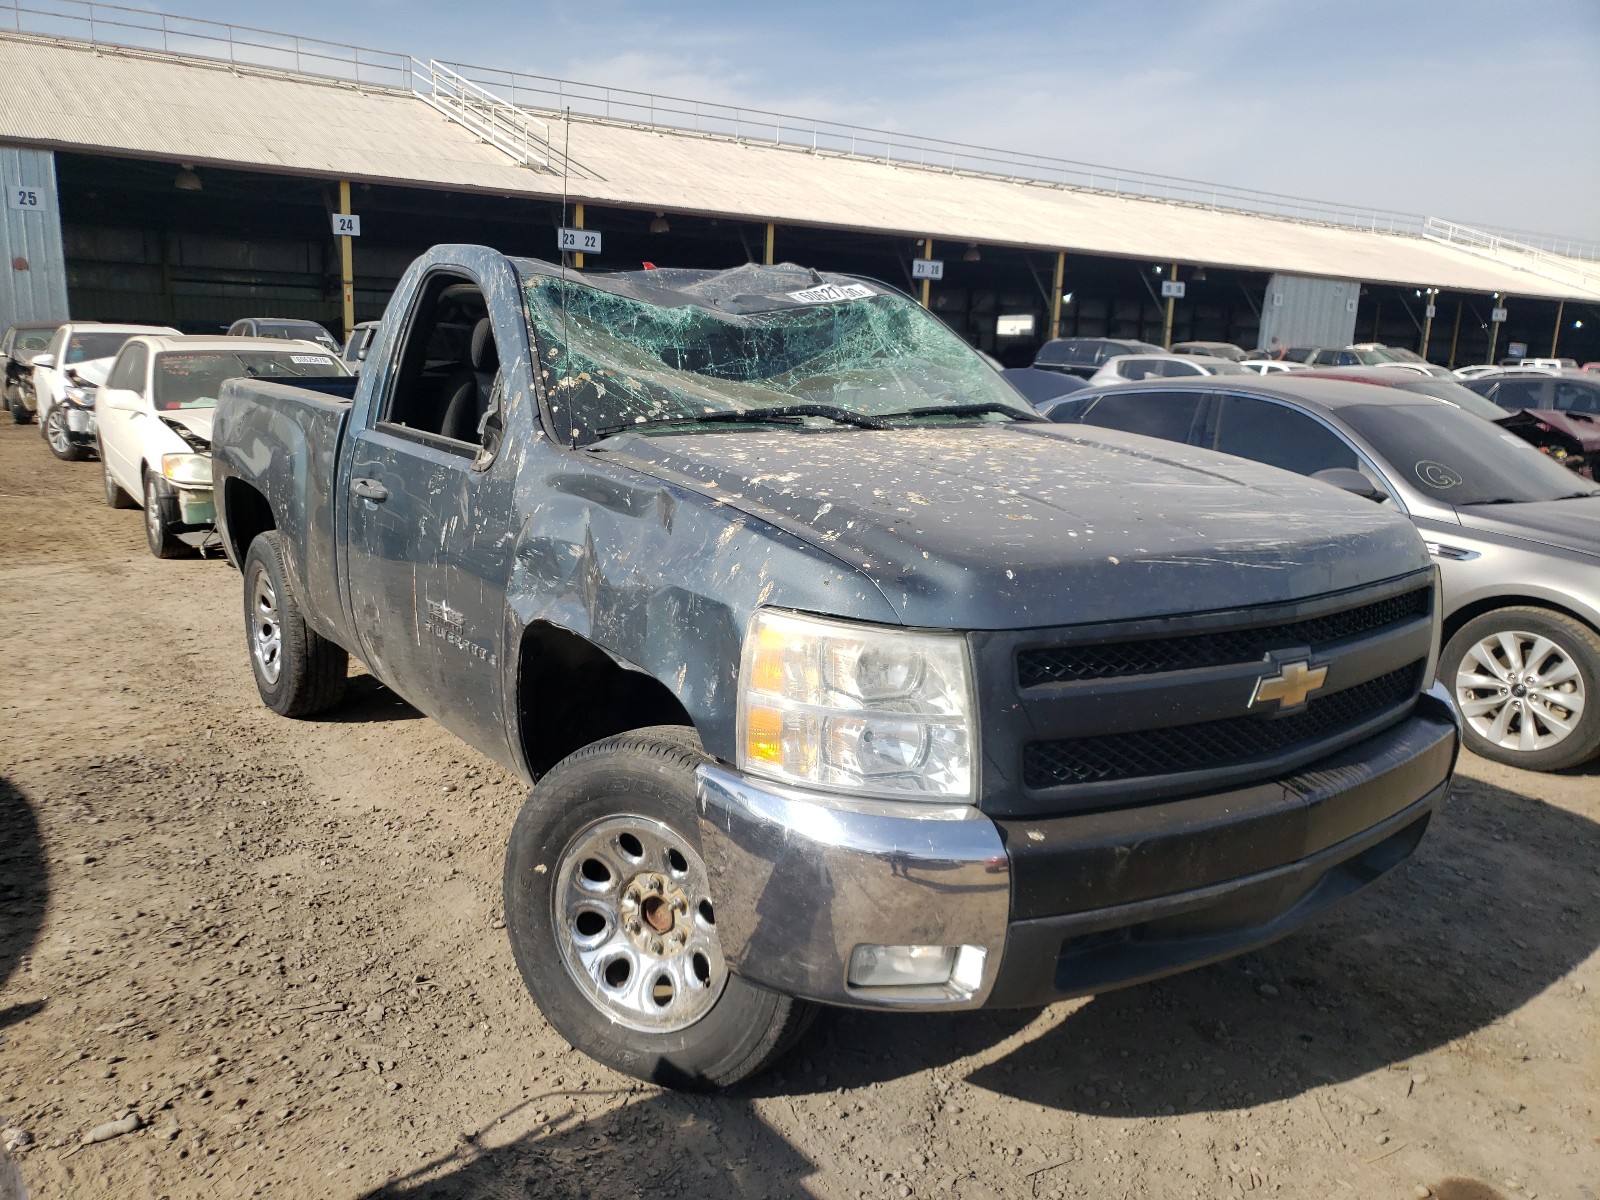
193 379
701 346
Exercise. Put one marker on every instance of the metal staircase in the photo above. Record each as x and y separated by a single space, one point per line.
501 124
1508 252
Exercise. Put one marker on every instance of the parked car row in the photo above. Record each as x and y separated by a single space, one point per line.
140 399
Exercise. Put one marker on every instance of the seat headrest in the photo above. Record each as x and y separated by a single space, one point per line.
485 358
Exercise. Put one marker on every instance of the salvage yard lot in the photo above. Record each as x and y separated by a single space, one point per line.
279 943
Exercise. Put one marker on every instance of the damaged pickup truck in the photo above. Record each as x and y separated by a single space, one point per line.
840 677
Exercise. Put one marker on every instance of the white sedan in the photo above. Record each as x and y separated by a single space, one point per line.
154 423
65 376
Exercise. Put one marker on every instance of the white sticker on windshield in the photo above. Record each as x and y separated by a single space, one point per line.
830 293
315 360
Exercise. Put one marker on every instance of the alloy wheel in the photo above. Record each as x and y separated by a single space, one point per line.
1519 690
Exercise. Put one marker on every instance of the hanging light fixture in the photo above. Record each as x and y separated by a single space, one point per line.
972 254
659 225
186 179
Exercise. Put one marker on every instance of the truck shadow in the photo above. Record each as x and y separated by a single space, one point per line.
24 890
367 700
1498 905
661 1143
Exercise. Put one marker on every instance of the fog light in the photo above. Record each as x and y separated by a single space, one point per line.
901 966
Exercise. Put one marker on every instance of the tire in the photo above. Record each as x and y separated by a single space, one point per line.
714 1029
1486 666
115 496
19 411
160 518
299 673
54 431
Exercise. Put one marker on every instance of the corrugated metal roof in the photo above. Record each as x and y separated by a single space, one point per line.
147 104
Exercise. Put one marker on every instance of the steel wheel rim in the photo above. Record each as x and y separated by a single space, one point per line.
1520 691
608 910
55 431
266 634
152 513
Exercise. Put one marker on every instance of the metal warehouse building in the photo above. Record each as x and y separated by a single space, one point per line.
169 169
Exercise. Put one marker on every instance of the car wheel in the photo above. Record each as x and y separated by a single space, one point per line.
611 921
1527 683
161 519
19 411
57 438
115 496
298 672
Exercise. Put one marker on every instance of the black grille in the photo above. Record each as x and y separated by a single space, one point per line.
1064 664
1234 741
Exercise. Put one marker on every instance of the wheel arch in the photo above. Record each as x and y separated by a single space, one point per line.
1455 621
598 696
243 515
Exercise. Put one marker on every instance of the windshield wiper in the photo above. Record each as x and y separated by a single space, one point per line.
759 416
248 369
967 410
1577 496
1495 500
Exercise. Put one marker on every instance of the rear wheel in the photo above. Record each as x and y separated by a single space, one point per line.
58 439
610 917
115 496
160 518
1527 683
298 672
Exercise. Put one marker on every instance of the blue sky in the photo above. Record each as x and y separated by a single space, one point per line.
1477 111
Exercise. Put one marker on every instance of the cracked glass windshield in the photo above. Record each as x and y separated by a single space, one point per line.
694 348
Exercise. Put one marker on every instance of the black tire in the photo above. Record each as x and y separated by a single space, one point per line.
115 496
161 519
54 431
311 670
647 775
1574 641
19 411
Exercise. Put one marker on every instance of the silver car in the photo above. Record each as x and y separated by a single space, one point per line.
1516 536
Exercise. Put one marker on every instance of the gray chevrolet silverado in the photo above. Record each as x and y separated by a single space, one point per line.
839 676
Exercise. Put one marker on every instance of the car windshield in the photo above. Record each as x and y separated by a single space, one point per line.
32 339
1225 366
1459 459
1463 398
1401 354
83 346
192 379
308 331
612 359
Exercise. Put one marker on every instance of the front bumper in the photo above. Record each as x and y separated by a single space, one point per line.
197 507
1063 906
80 424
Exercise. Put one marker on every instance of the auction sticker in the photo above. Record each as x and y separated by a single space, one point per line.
830 293
314 360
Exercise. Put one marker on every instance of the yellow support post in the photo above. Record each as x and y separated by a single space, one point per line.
1172 303
347 265
1427 319
1555 338
772 237
577 257
1455 335
927 252
1055 296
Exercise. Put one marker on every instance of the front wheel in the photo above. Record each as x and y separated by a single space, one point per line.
298 671
58 439
19 411
160 517
613 926
1524 679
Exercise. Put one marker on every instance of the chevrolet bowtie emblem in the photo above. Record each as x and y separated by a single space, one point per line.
1290 686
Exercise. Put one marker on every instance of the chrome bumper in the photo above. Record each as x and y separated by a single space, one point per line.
803 878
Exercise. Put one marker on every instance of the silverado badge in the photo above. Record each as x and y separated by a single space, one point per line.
1290 687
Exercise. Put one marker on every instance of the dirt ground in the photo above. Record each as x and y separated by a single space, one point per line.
278 944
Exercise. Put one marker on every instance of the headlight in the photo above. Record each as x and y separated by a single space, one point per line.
867 708
192 470
83 397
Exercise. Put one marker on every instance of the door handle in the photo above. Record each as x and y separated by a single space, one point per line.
369 489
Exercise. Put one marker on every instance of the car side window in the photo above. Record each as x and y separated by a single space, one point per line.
1520 393
1576 396
1280 436
1166 415
447 382
121 376
57 343
1068 411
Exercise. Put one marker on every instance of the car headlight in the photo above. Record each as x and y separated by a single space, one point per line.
83 397
192 470
865 708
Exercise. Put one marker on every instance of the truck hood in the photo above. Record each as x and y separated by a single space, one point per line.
1027 525
1565 524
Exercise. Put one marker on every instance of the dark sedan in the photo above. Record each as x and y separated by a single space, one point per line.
1083 356
1516 536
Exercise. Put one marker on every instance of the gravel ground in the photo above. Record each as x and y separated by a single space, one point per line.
272 950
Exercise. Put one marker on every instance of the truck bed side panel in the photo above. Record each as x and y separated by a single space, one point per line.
282 441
